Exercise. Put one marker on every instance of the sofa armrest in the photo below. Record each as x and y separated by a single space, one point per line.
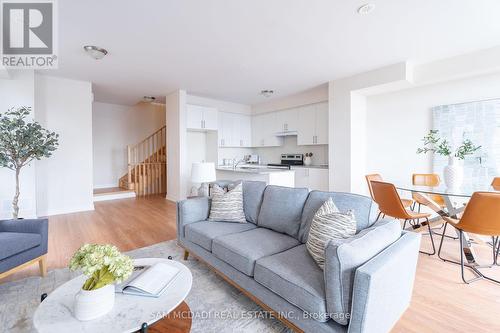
383 286
34 226
191 210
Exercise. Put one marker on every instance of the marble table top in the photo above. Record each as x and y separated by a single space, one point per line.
55 313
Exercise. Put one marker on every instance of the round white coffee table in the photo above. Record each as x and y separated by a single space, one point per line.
55 313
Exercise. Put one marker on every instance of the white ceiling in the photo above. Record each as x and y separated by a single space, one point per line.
232 49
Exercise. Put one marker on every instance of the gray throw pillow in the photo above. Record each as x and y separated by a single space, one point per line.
327 224
227 206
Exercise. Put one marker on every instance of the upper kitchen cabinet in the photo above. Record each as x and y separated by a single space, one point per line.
287 120
264 130
313 124
234 130
201 117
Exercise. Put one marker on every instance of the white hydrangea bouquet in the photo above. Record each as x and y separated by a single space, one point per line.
102 264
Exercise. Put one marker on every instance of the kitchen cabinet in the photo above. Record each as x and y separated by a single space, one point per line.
312 128
264 130
235 130
311 178
287 120
201 117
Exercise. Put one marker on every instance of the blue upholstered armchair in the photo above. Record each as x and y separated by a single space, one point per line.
22 243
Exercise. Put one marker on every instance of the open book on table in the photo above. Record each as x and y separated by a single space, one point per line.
151 281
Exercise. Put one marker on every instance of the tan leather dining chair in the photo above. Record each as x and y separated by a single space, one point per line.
431 180
378 177
496 183
482 217
390 204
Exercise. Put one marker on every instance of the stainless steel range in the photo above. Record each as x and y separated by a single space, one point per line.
288 160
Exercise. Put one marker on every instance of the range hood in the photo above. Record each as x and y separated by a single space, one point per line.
287 133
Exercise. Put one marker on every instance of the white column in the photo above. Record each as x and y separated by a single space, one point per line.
177 170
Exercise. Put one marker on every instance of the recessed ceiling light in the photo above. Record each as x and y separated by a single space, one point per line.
366 8
266 92
148 99
95 52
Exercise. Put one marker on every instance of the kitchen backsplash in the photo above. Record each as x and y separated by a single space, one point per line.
272 154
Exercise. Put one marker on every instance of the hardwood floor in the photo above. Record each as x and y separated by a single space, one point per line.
441 302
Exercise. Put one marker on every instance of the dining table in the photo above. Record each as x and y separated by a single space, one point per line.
455 202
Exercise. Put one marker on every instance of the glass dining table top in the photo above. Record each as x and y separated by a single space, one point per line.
465 191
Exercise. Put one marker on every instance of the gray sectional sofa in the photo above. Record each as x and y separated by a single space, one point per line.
367 282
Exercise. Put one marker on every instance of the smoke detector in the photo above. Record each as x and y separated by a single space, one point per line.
266 92
366 8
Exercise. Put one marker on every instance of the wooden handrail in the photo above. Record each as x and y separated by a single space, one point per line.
147 164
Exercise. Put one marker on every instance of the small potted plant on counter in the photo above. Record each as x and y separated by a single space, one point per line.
308 159
103 265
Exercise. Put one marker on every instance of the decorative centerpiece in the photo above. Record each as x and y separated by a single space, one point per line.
308 159
103 265
453 173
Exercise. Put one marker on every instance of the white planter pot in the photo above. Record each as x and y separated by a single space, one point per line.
453 173
307 160
92 304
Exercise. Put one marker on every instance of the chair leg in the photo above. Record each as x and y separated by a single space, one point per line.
432 239
42 264
186 255
419 206
462 264
404 224
378 216
498 248
441 243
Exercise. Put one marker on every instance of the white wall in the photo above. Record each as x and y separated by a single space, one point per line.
64 181
397 122
113 128
18 90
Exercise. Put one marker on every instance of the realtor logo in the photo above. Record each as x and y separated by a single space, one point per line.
28 34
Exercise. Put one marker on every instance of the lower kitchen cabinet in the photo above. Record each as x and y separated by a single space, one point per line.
312 178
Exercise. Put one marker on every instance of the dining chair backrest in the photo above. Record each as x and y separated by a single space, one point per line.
482 214
388 200
369 179
496 183
425 179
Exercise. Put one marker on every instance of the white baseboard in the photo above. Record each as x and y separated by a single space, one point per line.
65 210
114 196
169 198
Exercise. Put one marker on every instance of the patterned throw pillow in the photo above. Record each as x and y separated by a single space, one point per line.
328 223
227 206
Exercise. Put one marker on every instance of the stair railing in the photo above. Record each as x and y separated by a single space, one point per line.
147 169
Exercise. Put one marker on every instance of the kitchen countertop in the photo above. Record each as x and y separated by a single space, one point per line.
258 169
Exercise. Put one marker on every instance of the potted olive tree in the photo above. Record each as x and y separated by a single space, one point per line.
22 141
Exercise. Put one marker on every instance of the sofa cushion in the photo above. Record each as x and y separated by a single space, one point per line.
294 275
12 243
202 233
364 209
281 209
241 250
344 256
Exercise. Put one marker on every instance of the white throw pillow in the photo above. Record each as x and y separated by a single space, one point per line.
227 206
328 223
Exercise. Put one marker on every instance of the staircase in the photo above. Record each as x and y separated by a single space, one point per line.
147 165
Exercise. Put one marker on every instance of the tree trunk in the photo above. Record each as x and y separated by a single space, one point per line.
15 207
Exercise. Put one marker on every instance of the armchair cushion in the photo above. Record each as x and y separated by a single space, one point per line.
12 243
344 256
